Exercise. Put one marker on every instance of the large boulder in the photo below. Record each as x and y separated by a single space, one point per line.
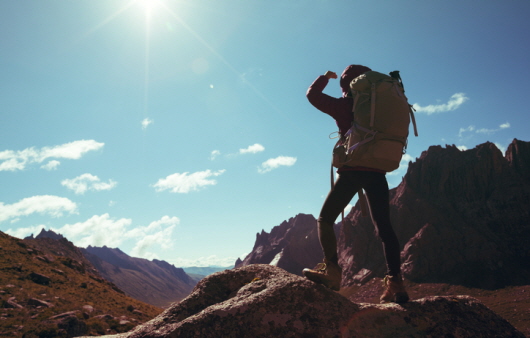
267 301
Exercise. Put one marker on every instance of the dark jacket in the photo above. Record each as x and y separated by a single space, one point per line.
338 108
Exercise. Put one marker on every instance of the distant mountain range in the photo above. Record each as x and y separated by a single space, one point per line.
154 282
204 271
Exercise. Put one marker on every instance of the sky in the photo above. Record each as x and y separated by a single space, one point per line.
178 129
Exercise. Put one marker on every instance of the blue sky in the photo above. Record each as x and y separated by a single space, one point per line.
179 129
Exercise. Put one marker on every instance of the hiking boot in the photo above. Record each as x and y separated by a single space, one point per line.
327 273
395 291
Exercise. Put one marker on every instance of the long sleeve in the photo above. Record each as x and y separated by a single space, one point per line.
338 108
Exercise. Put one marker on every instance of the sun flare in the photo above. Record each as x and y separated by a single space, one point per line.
149 5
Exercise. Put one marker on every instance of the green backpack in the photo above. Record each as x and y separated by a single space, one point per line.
381 117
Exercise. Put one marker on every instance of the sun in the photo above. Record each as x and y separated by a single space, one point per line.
149 5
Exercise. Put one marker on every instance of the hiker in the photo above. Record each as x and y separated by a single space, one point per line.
350 181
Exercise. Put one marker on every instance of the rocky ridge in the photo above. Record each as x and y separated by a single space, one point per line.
461 218
292 245
266 301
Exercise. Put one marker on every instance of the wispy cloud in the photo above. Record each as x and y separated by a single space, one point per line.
53 206
146 122
186 182
52 165
214 154
464 130
454 102
157 233
253 149
85 182
11 160
487 131
274 163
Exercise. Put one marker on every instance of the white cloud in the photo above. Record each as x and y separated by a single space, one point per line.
277 162
186 182
44 204
24 232
463 130
157 233
146 122
253 149
86 182
461 148
102 230
487 131
214 154
17 160
52 165
454 102
97 231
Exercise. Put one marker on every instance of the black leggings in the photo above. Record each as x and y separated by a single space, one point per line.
376 188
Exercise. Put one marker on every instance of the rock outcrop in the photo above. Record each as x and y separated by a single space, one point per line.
292 245
462 217
266 301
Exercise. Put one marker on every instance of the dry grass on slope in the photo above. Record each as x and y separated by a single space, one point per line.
36 286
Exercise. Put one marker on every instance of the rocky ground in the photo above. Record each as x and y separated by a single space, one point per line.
511 303
265 301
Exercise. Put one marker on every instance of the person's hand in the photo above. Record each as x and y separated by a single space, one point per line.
330 75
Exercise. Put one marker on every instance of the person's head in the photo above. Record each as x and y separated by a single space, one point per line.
350 73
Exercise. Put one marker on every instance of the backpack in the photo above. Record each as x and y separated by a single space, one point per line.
381 117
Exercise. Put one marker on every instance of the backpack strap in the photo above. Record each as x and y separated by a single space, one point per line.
395 75
354 126
413 119
355 101
372 106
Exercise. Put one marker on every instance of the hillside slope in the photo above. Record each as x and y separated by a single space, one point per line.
55 295
155 282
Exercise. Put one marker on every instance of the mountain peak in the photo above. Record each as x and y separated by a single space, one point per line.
46 234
